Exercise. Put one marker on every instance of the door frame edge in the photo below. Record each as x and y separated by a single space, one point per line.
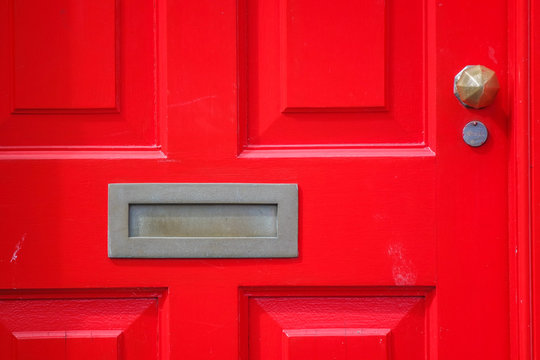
520 180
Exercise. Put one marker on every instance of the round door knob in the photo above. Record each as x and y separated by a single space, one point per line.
476 86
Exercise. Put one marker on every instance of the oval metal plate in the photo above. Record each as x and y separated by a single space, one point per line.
475 133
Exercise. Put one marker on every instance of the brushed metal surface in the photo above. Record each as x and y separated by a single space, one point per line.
203 220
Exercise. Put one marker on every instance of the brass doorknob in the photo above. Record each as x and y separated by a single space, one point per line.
476 86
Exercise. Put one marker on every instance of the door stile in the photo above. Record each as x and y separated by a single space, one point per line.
520 186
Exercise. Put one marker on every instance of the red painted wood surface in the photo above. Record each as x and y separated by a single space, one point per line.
292 86
522 135
398 217
102 345
535 179
335 343
78 75
79 62
81 327
319 66
340 326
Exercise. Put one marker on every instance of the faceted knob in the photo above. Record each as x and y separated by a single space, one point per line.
476 86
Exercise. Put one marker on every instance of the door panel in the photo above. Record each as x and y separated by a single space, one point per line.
81 324
342 323
79 74
332 74
402 227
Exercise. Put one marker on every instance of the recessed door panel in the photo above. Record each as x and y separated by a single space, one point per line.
332 323
80 327
329 75
59 69
329 59
78 75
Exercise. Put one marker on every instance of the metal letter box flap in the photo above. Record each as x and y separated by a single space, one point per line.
203 220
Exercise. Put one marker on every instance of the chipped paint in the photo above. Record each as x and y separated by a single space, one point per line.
18 248
403 271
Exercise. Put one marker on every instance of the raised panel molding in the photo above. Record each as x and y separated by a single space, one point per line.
333 55
339 75
110 324
335 323
68 60
336 343
69 345
80 76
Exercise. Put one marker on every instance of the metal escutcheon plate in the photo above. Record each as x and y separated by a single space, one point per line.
475 133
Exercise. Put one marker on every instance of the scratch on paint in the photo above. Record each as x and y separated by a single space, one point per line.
193 101
17 249
402 268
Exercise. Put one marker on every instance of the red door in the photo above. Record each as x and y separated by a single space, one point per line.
390 241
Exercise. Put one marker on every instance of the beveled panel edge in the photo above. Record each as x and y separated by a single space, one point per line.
285 196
